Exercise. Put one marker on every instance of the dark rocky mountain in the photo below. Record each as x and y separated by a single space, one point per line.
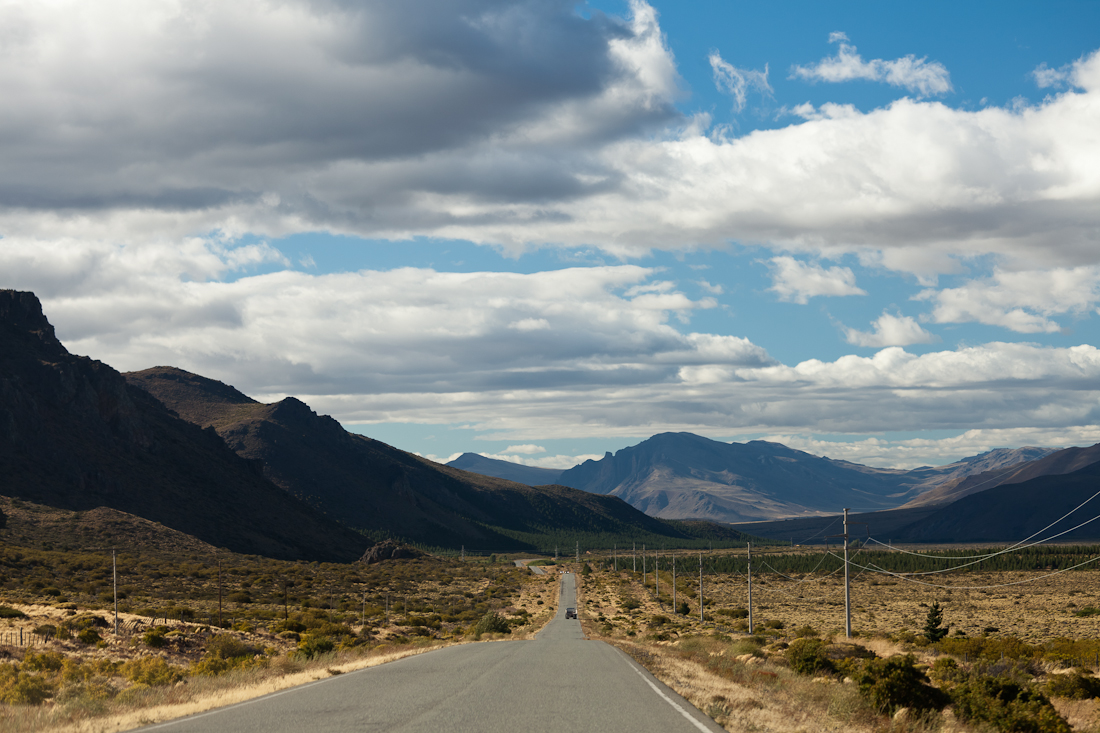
530 475
373 486
75 435
1039 462
1013 512
680 475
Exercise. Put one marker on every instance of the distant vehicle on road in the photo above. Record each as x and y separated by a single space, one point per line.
570 613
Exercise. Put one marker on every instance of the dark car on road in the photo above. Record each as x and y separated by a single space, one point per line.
570 613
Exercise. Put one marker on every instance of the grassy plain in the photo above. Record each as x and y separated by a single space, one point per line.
744 680
199 629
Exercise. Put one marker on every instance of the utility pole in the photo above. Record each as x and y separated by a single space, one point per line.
219 592
657 576
634 556
674 610
615 556
643 567
578 555
114 576
750 588
847 577
464 553
847 584
701 586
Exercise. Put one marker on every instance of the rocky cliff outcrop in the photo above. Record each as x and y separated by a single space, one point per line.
75 435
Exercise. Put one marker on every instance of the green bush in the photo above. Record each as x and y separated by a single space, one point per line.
154 639
312 646
889 684
1075 686
805 632
630 603
89 636
20 688
225 646
491 623
151 671
809 656
44 662
1007 705
8 612
683 608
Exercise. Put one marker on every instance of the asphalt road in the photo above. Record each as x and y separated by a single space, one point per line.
558 682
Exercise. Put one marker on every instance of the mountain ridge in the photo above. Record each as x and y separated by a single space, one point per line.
379 488
682 475
75 435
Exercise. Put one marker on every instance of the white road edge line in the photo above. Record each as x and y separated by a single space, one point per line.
679 708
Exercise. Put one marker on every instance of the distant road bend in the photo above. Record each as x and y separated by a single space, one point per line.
558 682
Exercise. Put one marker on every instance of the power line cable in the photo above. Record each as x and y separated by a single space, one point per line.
900 576
1011 547
1016 547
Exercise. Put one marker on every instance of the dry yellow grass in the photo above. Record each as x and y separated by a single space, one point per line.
762 694
199 694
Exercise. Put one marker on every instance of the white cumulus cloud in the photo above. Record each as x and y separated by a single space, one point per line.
1025 301
798 281
890 330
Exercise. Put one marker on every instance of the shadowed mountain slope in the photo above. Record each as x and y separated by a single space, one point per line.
75 435
1014 512
376 487
1047 463
680 475
530 475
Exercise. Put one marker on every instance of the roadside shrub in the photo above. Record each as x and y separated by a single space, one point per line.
44 662
89 636
809 656
20 688
225 646
312 646
1007 705
154 638
889 684
1075 686
48 630
151 671
491 623
8 612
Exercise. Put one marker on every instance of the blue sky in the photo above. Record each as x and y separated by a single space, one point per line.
540 230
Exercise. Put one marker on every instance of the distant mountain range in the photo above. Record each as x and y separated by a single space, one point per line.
375 487
681 475
198 456
1046 506
530 475
164 448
